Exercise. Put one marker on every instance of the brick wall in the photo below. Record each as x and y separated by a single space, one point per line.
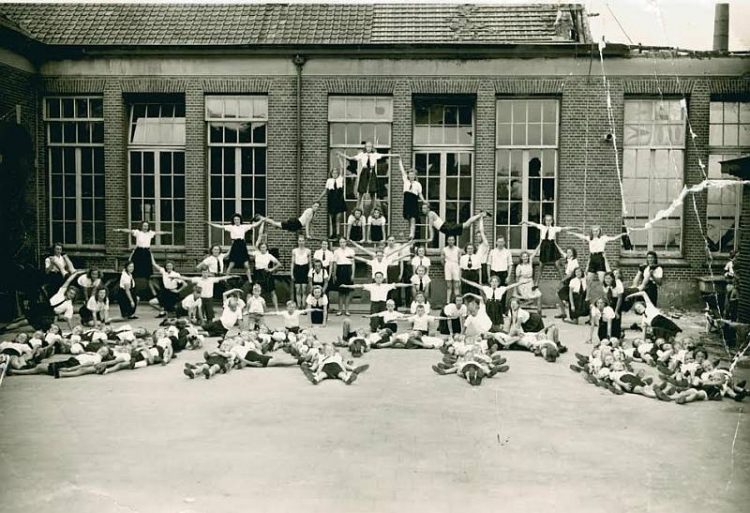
587 174
742 265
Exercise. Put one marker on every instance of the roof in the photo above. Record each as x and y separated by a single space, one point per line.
168 24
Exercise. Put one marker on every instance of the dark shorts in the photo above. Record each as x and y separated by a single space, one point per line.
332 370
548 252
344 277
299 273
238 254
451 229
597 263
292 225
215 359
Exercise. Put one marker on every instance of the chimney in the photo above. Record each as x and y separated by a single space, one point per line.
721 28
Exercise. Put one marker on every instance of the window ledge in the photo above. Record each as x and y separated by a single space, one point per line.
663 261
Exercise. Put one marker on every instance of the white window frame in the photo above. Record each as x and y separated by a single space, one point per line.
77 146
352 149
525 149
724 151
157 149
259 117
652 149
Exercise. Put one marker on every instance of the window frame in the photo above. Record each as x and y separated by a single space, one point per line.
238 148
525 149
48 120
157 149
352 150
724 151
652 149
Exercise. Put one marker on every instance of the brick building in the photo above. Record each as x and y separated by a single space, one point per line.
183 114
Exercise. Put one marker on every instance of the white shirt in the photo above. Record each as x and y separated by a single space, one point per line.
414 305
291 320
451 254
60 267
343 256
419 261
237 231
476 262
89 358
391 316
378 266
335 183
170 279
354 221
378 292
650 312
87 283
191 302
415 280
571 265
365 159
549 231
522 316
657 273
318 277
313 302
256 305
206 285
482 251
597 245
143 239
126 280
263 261
62 306
95 306
301 256
214 264
412 187
435 220
496 294
376 221
325 257
306 216
421 322
230 317
453 311
500 260
477 324
578 284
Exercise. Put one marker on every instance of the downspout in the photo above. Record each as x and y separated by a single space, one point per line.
299 62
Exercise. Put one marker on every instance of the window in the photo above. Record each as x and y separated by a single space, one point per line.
444 160
75 160
729 137
354 120
237 146
526 168
156 159
653 172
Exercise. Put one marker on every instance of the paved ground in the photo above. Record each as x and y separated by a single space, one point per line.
536 439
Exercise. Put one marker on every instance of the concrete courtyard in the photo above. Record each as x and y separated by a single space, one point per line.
401 439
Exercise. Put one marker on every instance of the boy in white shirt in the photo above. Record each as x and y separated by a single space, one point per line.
500 261
206 282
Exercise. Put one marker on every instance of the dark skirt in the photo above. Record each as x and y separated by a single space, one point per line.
564 291
664 328
316 315
368 181
299 273
616 328
141 258
87 315
292 225
168 299
495 309
376 233
652 291
332 370
535 324
393 273
336 202
471 275
357 234
344 277
411 206
264 279
597 263
548 252
238 252
445 326
452 229
122 299
54 281
579 307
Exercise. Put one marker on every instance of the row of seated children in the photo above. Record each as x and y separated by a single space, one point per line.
100 351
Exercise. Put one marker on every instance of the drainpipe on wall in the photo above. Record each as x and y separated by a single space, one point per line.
299 62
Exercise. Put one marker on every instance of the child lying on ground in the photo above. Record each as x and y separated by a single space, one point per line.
474 366
330 365
219 360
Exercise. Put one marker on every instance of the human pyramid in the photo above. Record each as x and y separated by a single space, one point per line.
483 314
